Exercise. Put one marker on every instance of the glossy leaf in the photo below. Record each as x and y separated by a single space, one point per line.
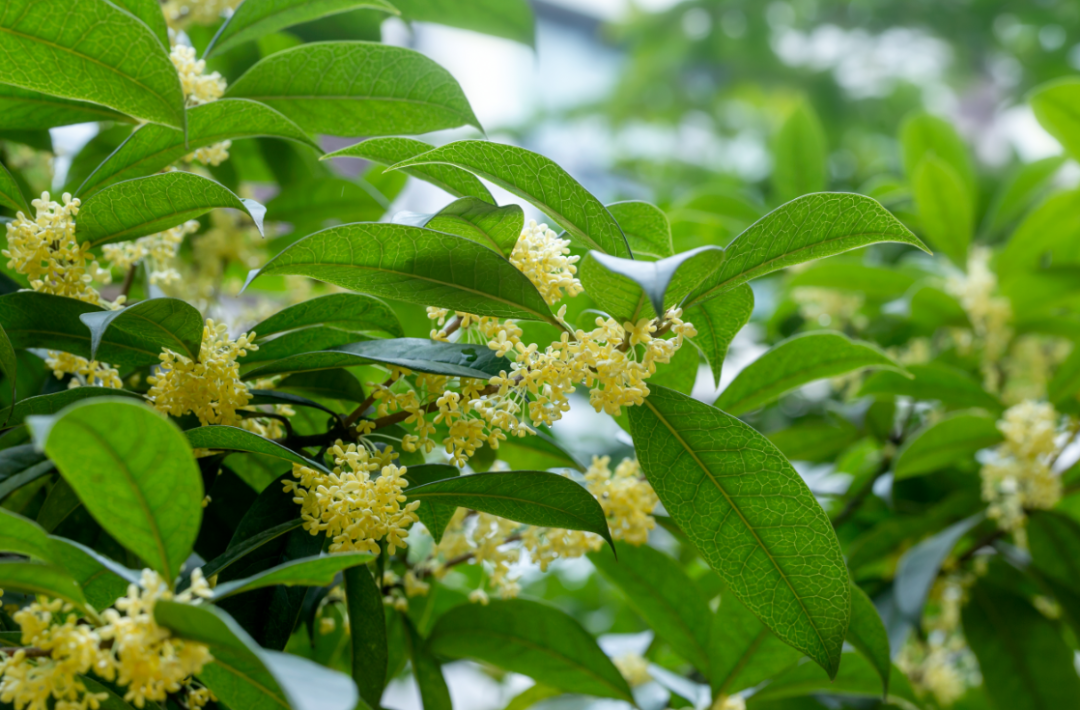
157 323
867 633
370 657
434 693
303 340
716 477
351 311
533 639
230 438
945 208
152 148
497 228
134 472
742 650
308 572
956 437
662 594
390 151
933 382
36 578
357 89
512 19
28 110
413 265
103 580
717 322
796 362
250 544
918 568
1057 108
801 154
11 194
252 19
646 227
45 404
134 208
540 181
1023 659
808 228
330 384
90 50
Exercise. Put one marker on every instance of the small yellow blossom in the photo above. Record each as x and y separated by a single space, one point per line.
545 260
180 13
160 249
990 315
479 596
414 586
829 307
327 624
633 668
88 373
214 154
199 87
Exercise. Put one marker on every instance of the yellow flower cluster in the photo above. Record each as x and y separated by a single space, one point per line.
199 87
160 249
180 13
88 373
128 648
633 668
990 315
227 240
46 251
1020 477
214 154
545 260
943 667
355 510
211 387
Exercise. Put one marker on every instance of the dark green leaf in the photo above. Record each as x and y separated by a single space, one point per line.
801 154
304 340
417 354
540 181
956 437
103 581
357 89
717 321
94 51
867 633
857 678
646 227
1057 108
796 362
742 651
313 204
308 572
249 545
157 323
9 364
36 578
134 472
364 600
945 207
389 151
1023 660
27 110
533 639
60 503
495 227
152 148
329 384
429 677
808 228
53 403
932 382
255 19
24 536
918 568
343 310
230 438
512 19
531 497
1054 540
541 451
413 265
815 439
662 594
11 194
714 474
134 208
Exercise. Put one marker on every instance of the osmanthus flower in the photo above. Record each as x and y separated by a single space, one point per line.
990 314
88 373
350 506
45 250
200 88
545 260
160 249
126 646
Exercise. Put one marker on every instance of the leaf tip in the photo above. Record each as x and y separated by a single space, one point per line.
252 275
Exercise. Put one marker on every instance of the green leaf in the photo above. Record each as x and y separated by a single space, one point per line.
390 151
249 545
713 474
92 51
1020 190
52 403
1023 659
275 397
815 440
134 208
357 89
134 472
808 228
918 568
252 19
36 578
151 148
304 340
434 693
867 633
541 182
625 288
417 354
540 451
717 321
932 382
243 675
149 11
646 227
801 155
1049 229
533 639
313 204
923 135
157 323
330 384
1054 540
342 310
11 194
742 651
945 208
308 572
24 536
956 437
795 362
497 228
27 110
413 265
370 657
9 364
230 438
103 581
857 679
657 588
511 19
874 281
531 497
1057 108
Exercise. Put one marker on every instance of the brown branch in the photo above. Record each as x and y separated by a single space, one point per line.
460 559
129 280
359 411
30 651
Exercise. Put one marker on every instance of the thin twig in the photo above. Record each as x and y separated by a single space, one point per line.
129 280
29 651
987 539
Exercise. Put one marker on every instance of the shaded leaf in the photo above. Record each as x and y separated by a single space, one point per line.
357 89
230 438
918 568
309 572
857 678
646 227
103 581
932 382
370 657
157 323
795 362
874 281
27 110
1050 229
742 650
717 322
24 536
429 677
10 192
248 545
331 384
533 639
867 633
52 403
1054 541
1021 189
495 227
956 437
714 475
9 364
36 578
343 310
304 340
